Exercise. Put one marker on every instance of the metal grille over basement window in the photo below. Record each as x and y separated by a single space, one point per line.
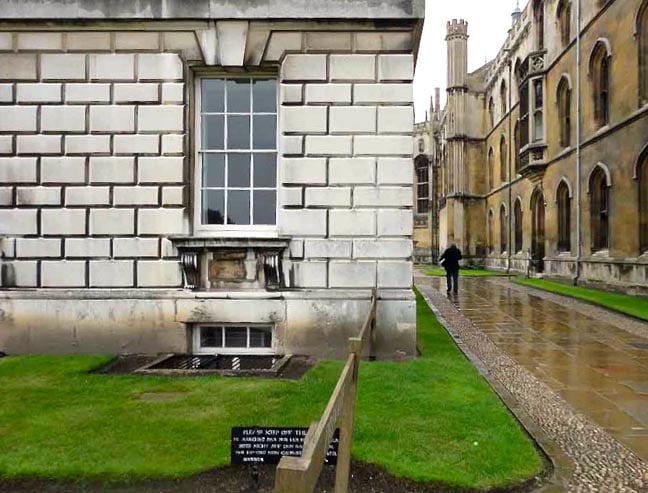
238 151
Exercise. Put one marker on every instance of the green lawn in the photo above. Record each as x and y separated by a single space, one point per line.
635 306
465 272
434 419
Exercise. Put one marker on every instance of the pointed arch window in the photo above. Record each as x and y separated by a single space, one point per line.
563 202
599 210
517 216
491 242
600 78
516 146
564 98
503 159
491 169
503 98
491 112
563 14
642 175
538 17
642 29
503 230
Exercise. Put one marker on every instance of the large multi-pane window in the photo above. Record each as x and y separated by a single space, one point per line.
524 114
538 110
237 153
422 186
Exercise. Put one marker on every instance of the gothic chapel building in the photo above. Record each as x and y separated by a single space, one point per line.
544 150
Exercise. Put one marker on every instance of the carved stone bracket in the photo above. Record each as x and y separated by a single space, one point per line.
232 263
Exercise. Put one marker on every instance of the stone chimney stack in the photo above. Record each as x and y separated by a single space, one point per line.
457 40
437 99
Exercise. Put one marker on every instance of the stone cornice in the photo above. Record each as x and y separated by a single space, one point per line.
209 9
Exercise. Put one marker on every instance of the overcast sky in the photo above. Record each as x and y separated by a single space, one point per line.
488 24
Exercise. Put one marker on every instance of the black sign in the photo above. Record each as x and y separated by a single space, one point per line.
260 445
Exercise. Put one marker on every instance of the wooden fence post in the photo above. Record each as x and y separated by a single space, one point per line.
343 468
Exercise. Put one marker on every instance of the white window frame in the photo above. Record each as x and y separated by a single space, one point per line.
231 230
199 350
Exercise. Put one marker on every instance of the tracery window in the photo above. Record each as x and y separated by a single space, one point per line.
491 169
642 29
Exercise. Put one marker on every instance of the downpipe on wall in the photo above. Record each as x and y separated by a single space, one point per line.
578 145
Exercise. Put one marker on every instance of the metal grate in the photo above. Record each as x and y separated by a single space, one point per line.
229 363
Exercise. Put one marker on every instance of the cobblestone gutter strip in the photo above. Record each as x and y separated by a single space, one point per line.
627 323
600 463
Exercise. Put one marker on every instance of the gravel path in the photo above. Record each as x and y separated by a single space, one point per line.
600 463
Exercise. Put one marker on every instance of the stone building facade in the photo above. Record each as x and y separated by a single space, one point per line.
544 149
206 176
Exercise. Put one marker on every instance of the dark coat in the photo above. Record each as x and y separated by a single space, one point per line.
451 258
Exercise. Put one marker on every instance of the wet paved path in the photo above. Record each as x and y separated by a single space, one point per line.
589 366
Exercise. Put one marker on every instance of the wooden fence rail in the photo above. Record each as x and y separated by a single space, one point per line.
300 474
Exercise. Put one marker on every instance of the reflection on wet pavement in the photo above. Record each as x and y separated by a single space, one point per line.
600 370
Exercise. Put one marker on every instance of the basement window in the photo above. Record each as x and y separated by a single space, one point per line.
228 339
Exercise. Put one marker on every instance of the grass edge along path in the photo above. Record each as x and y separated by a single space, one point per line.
465 272
432 420
634 306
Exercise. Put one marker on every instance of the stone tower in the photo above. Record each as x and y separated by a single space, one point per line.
457 172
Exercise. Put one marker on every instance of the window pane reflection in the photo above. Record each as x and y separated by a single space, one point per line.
265 131
213 171
238 96
265 170
238 132
265 96
213 132
238 170
238 207
236 337
213 207
213 96
265 206
211 337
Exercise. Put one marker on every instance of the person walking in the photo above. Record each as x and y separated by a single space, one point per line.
450 261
